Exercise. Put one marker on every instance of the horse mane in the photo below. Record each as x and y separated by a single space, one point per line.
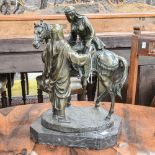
47 26
44 25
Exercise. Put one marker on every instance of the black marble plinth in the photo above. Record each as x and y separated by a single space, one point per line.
77 133
78 119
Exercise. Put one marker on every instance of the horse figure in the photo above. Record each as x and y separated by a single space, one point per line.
112 71
42 33
110 68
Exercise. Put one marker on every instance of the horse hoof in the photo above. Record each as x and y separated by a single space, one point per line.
97 105
68 104
107 118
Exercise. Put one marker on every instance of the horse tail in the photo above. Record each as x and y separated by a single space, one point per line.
120 82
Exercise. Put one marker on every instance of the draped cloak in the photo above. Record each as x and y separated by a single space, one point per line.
57 57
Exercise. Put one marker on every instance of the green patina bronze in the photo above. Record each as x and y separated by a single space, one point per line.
92 58
82 38
82 28
57 57
88 127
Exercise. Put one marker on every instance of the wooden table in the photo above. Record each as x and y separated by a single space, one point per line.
137 133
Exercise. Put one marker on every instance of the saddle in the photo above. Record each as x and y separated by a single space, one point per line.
107 60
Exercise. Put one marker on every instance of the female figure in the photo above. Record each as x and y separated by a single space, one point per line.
81 28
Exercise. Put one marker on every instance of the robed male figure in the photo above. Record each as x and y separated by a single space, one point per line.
58 57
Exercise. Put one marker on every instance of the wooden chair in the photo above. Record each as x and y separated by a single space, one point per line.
141 45
7 81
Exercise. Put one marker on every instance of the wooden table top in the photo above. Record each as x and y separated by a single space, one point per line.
137 134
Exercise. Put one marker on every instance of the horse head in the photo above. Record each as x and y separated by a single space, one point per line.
41 32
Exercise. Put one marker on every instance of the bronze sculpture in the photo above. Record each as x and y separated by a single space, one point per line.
82 38
56 75
105 63
5 7
82 28
110 68
90 127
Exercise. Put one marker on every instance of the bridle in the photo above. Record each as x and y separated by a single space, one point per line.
47 29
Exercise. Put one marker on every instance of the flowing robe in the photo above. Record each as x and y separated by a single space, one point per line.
58 57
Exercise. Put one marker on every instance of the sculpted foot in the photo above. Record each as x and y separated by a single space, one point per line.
68 104
63 119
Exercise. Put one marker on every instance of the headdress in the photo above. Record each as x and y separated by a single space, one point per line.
69 9
58 30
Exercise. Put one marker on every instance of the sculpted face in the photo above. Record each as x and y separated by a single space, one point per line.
70 16
70 13
57 32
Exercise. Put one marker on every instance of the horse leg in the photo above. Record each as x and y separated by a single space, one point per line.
84 86
111 111
99 99
102 79
91 89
